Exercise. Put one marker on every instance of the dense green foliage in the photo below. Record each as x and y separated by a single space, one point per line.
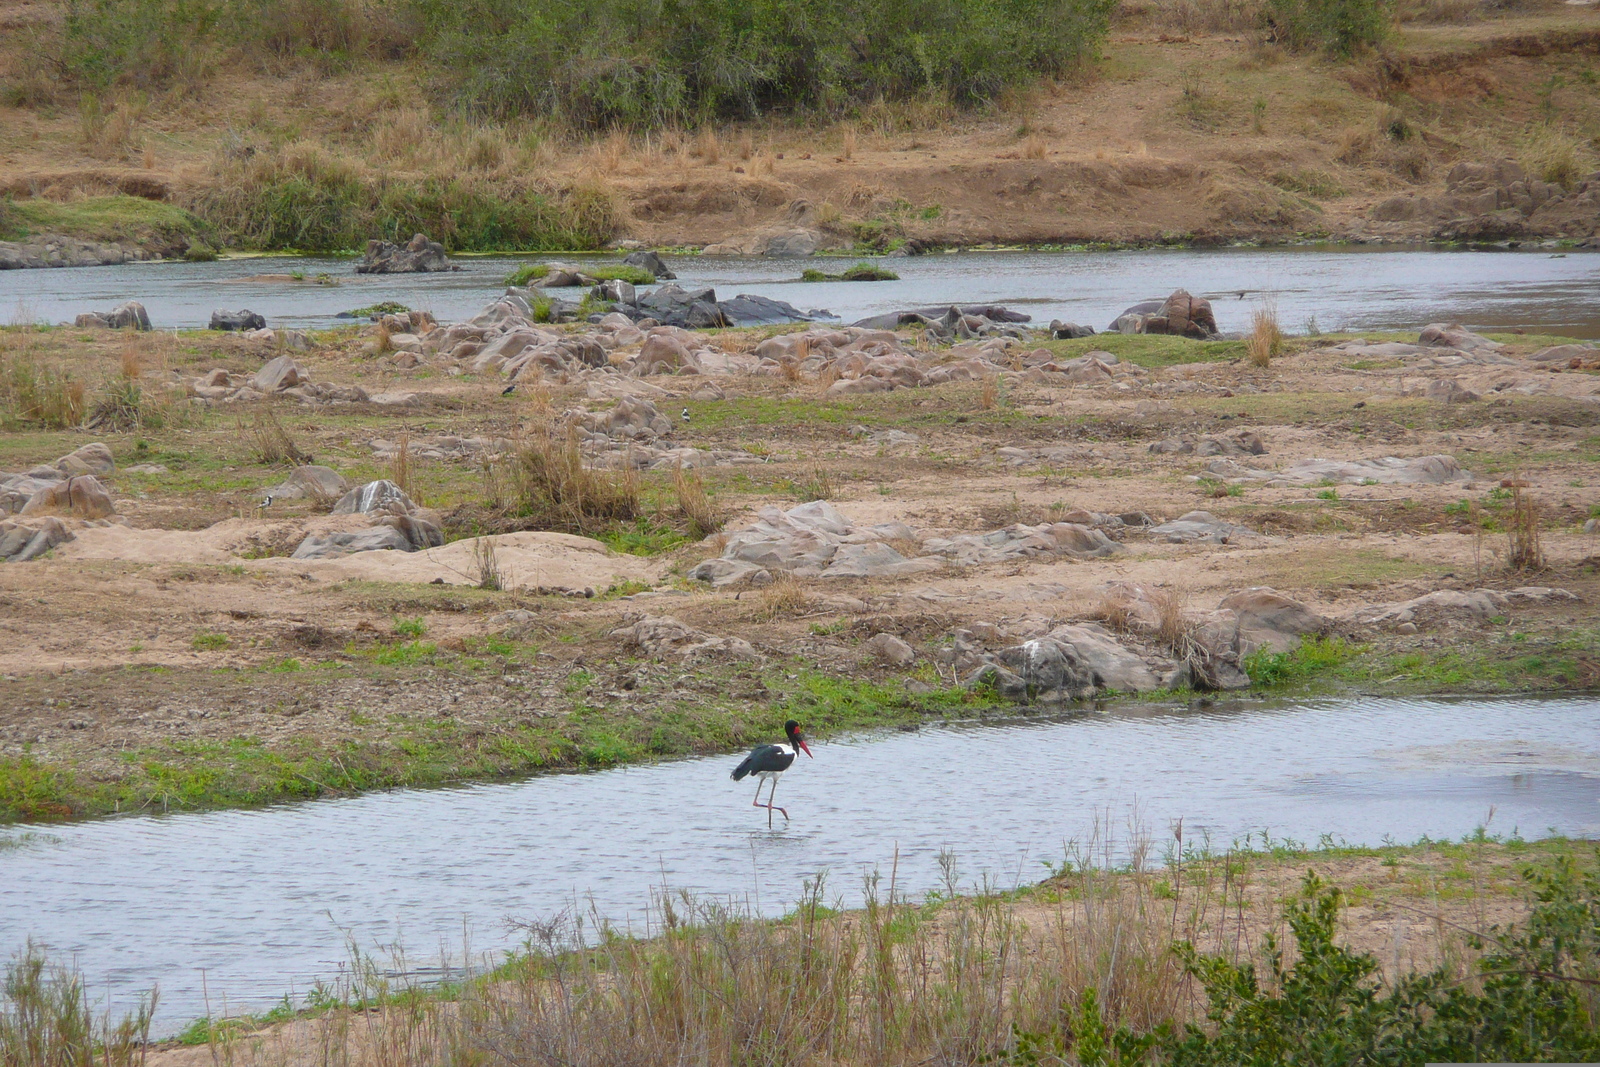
594 65
331 208
1339 27
1532 998
650 63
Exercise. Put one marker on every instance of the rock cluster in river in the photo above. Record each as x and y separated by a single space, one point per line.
417 256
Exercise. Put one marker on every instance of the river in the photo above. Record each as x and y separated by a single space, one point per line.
245 906
1313 289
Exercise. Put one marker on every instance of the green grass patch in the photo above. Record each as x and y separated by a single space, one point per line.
1148 350
860 272
209 642
126 219
1269 670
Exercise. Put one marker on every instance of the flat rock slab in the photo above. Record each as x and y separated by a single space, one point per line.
1389 470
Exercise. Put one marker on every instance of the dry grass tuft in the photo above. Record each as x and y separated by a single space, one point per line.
1171 628
486 564
848 147
784 597
400 467
557 491
1035 147
1266 339
747 145
1526 551
269 442
1115 611
131 364
989 395
1554 156
708 146
694 504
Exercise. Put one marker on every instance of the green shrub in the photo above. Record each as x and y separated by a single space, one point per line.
1338 27
1267 668
651 63
305 199
860 272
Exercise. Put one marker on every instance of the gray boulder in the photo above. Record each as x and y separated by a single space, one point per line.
375 497
344 542
92 458
237 320
82 497
1062 331
891 650
310 482
278 374
651 262
1199 526
417 256
20 542
721 573
127 315
794 244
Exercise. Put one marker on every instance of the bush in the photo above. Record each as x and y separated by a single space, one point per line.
1338 27
303 197
652 63
1532 999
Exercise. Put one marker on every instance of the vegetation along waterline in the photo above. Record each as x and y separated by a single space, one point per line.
1406 954
507 126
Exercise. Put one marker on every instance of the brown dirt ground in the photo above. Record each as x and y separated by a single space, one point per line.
99 655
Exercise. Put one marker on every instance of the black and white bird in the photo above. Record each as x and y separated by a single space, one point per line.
685 414
766 762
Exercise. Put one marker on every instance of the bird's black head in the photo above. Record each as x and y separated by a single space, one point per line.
791 730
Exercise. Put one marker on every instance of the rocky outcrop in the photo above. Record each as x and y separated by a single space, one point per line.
1389 470
374 498
652 262
69 486
417 256
318 484
699 309
280 376
237 320
55 250
1179 315
1241 443
22 541
82 497
665 635
129 315
1498 200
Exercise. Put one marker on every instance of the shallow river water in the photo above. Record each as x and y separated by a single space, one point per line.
247 905
1328 289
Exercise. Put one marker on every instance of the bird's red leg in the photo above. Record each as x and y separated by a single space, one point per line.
781 811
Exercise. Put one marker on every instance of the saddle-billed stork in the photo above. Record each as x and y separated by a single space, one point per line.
766 762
